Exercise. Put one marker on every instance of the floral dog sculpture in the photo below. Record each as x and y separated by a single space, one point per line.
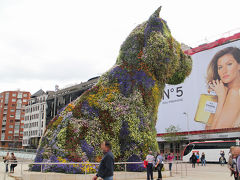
122 107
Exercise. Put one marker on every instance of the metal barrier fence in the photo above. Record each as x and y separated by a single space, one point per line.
19 155
18 150
180 169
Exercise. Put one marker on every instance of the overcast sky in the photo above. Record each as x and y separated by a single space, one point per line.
64 42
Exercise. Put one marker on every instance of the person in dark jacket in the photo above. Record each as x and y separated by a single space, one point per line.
193 159
105 170
203 159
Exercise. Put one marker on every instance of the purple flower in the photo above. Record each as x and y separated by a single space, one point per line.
124 79
154 24
89 150
135 167
143 80
88 110
124 132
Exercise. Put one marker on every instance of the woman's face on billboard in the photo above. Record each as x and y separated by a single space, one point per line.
228 68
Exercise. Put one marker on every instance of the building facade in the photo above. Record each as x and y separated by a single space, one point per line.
60 98
35 119
12 112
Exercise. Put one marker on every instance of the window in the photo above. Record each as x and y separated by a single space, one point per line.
10 132
6 97
24 100
25 95
188 149
9 137
11 115
19 95
19 103
12 110
14 95
18 113
10 126
13 100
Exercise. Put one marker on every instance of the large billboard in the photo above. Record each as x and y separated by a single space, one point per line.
210 97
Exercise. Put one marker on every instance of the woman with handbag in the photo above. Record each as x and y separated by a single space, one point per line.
6 159
13 160
159 165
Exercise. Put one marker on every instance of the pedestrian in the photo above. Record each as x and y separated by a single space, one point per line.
233 168
222 159
165 156
170 159
159 165
203 160
150 159
193 159
106 167
6 159
198 156
13 161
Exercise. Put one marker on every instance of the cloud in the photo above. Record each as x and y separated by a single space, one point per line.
65 41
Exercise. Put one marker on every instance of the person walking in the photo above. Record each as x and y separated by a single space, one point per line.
233 167
193 159
13 161
222 159
170 159
150 159
198 158
159 165
6 159
106 167
203 160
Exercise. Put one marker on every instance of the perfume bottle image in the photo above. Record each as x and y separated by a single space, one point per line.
206 109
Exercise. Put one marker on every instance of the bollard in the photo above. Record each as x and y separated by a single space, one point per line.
5 175
125 170
85 171
181 170
21 170
186 168
176 166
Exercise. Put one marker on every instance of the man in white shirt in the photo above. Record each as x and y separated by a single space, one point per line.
150 159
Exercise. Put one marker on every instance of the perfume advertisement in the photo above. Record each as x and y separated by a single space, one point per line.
210 97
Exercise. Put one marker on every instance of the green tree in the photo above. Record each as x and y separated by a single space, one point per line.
172 134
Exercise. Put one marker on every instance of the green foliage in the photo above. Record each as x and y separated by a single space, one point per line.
171 134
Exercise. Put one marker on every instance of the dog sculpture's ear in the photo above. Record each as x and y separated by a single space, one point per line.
183 70
155 24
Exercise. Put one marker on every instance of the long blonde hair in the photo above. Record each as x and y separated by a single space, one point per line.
212 71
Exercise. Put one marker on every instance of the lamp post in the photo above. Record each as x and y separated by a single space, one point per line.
185 113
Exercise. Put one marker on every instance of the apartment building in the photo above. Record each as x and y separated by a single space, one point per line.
12 111
35 119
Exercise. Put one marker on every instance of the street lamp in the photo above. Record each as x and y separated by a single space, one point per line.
185 113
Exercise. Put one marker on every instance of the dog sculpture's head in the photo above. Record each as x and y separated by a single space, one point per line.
151 46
